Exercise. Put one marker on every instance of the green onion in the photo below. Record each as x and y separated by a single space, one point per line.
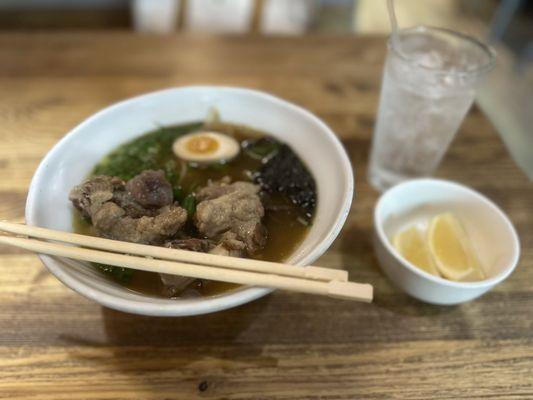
262 149
179 193
119 274
221 166
171 172
189 204
303 221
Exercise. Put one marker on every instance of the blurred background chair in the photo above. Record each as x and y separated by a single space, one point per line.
225 16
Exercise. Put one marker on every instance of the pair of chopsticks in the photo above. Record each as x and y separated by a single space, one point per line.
311 279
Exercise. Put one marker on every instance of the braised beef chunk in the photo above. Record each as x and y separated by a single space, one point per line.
93 193
286 174
125 200
236 208
174 285
150 189
116 213
214 190
229 245
112 222
192 244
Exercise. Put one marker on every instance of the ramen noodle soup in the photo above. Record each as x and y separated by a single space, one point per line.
209 187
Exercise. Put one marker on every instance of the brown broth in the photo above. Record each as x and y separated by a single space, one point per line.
285 228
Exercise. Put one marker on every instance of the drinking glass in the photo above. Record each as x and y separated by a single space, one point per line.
429 82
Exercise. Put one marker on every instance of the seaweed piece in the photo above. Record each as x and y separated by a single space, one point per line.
285 173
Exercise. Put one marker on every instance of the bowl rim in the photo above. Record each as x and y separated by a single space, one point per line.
192 306
378 226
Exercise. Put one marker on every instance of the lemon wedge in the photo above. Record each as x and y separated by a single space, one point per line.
452 250
412 245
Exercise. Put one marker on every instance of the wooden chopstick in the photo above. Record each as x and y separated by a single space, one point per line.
310 272
344 290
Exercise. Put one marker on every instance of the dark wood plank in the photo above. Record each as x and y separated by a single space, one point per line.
61 19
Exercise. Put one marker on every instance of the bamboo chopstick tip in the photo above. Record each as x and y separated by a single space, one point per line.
351 290
370 292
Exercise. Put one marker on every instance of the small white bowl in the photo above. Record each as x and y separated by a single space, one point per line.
416 201
72 159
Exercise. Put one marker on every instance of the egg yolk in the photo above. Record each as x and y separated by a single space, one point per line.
202 145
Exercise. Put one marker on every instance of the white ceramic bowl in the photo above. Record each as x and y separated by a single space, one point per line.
71 160
491 232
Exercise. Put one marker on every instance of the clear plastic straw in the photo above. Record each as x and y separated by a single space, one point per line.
394 25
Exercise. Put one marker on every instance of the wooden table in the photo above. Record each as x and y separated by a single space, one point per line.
55 344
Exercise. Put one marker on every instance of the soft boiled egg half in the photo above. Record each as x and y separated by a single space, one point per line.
206 147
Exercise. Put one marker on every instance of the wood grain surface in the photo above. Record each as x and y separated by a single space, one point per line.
55 344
